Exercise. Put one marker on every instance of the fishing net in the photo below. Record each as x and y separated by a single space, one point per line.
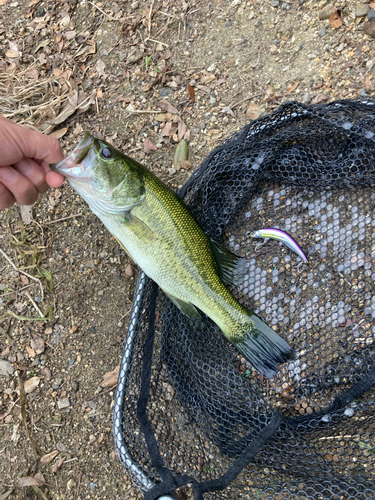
189 409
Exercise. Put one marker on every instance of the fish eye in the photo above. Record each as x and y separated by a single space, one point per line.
106 153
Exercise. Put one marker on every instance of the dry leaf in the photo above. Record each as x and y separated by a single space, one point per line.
38 480
110 378
191 92
12 53
32 74
27 214
165 131
41 45
149 146
69 109
253 111
58 464
31 384
100 66
59 133
47 459
37 343
24 279
181 130
19 306
335 20
30 352
69 35
292 86
166 105
42 58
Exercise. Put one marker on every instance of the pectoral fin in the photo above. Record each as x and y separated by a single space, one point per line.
231 267
186 307
138 227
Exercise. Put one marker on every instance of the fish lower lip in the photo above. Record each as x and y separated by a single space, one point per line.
76 156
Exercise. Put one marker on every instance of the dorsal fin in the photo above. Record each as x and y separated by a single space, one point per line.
231 267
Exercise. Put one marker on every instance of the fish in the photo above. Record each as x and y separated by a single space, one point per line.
157 230
279 235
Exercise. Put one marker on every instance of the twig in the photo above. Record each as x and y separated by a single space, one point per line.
79 483
102 11
34 304
149 18
23 415
156 41
22 272
141 111
244 100
169 15
63 218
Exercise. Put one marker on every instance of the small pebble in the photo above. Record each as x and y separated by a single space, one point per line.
274 3
228 23
371 15
71 362
92 486
322 32
165 91
285 6
63 403
129 271
349 412
361 10
92 329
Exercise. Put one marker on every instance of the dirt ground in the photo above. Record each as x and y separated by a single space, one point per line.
215 66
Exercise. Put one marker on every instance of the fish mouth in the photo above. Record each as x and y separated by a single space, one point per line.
68 166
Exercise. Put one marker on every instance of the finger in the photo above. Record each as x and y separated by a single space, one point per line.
54 179
18 142
34 172
20 187
40 146
6 197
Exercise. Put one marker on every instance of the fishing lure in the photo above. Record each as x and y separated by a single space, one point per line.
279 235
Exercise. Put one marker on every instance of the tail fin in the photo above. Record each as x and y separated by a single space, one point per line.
261 346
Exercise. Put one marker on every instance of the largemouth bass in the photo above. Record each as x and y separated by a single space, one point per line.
159 233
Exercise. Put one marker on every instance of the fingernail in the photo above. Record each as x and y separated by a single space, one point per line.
8 174
24 166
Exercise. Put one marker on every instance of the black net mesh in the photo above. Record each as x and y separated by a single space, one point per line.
189 409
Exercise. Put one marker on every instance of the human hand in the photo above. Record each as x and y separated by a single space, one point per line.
25 156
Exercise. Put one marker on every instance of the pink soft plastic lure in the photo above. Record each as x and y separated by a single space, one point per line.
277 234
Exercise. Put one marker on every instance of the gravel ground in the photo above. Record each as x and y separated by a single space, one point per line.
215 65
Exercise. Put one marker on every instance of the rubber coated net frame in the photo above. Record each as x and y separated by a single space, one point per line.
189 410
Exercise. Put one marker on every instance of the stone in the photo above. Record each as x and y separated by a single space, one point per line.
361 10
327 11
6 368
369 28
322 32
63 403
129 271
371 15
274 3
